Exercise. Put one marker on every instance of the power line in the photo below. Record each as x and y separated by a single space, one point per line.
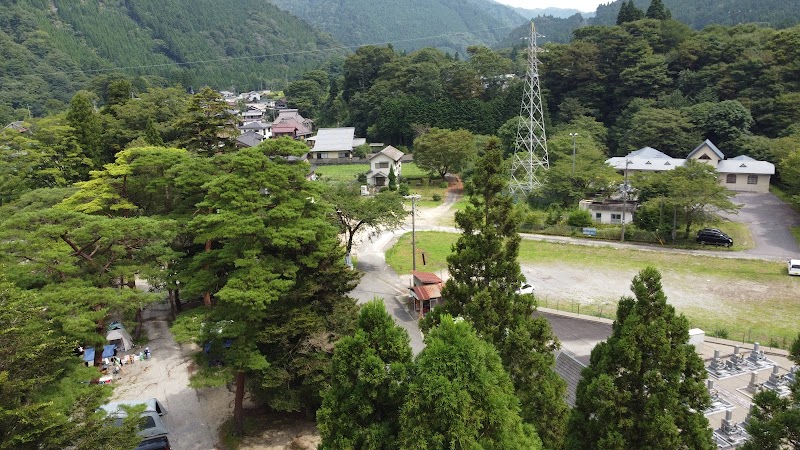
266 56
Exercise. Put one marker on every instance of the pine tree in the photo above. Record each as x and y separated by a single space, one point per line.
658 11
459 396
87 124
644 386
484 278
628 12
361 407
283 280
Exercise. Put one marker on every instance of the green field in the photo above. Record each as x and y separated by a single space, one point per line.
770 318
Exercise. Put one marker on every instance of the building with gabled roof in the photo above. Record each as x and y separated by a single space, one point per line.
741 173
334 143
381 165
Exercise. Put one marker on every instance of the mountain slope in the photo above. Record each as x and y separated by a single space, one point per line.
699 13
561 13
450 25
51 47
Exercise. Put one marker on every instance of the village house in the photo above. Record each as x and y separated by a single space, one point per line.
334 143
290 123
381 165
426 292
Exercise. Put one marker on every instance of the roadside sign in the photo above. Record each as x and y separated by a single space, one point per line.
590 231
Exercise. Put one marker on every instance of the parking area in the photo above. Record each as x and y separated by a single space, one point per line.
770 222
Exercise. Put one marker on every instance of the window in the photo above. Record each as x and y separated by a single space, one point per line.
598 217
731 178
382 165
704 157
752 179
616 218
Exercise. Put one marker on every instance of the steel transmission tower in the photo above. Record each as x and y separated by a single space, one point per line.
530 147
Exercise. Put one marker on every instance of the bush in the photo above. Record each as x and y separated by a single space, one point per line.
436 197
553 216
362 178
404 189
580 218
443 184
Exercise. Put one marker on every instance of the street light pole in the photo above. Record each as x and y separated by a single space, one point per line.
624 199
574 135
413 198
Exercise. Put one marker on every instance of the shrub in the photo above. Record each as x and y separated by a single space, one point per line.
436 197
580 218
443 184
362 178
404 189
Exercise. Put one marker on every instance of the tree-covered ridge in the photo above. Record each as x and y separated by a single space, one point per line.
699 14
49 47
452 24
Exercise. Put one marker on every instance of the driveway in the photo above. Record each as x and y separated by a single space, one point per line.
770 220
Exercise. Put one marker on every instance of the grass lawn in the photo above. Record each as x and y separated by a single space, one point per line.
747 319
342 172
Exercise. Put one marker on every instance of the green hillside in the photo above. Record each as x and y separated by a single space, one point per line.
699 13
455 24
51 48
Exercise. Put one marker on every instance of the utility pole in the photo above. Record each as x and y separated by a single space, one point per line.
574 135
413 198
624 199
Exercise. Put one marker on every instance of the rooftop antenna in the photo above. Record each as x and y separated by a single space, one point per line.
530 147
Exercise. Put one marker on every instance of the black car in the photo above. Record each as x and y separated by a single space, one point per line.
713 236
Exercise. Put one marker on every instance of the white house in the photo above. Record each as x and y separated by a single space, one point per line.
334 143
741 173
381 164
609 211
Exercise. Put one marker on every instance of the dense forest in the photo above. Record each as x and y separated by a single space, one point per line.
50 49
699 14
409 24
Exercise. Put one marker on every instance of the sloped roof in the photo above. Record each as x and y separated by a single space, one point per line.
426 277
250 139
569 368
710 145
426 292
391 152
645 164
254 126
334 139
744 166
647 152
742 158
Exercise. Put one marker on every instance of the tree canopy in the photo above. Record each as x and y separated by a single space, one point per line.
644 386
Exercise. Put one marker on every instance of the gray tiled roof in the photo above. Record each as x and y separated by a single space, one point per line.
569 369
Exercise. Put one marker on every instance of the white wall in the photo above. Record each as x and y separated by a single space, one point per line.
762 185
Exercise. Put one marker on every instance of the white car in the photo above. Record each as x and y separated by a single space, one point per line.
794 266
526 288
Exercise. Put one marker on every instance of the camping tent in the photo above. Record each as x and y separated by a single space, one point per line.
121 338
108 352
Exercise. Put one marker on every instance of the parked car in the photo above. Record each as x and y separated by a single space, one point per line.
713 236
526 289
153 428
794 266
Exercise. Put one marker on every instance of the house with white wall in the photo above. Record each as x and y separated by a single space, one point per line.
381 164
741 173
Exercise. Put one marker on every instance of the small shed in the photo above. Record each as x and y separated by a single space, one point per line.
426 292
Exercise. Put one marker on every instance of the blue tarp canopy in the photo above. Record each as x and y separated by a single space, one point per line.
108 351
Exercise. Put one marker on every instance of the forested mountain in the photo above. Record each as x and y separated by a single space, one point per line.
554 29
699 13
561 13
452 25
50 48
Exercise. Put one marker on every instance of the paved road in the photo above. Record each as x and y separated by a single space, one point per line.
769 220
